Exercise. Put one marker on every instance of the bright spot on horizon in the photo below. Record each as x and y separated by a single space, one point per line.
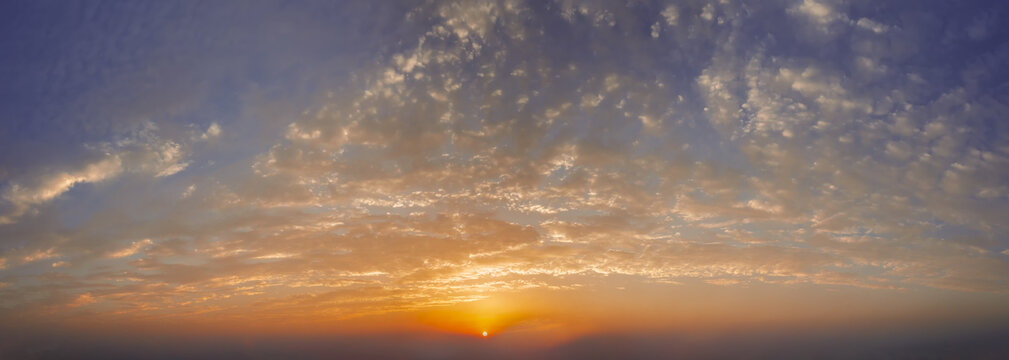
484 333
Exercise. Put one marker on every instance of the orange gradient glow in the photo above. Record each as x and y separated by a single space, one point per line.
505 173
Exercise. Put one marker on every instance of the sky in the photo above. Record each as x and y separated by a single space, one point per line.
577 178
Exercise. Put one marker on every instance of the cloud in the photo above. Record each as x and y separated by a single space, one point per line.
509 147
671 14
818 12
871 25
142 152
790 118
213 131
40 255
135 247
22 198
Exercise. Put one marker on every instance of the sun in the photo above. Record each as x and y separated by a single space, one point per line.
485 334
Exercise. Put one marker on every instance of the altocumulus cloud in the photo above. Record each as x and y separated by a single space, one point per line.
510 145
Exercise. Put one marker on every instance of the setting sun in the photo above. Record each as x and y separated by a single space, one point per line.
484 333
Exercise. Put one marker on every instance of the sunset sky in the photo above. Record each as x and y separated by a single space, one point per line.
577 178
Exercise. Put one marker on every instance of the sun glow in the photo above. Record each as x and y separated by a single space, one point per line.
485 334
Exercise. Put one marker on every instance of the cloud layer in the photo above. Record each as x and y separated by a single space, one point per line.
507 146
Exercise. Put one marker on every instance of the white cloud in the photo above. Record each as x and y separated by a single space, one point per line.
189 191
51 186
40 255
871 25
134 247
142 152
213 131
671 14
708 12
817 11
898 150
